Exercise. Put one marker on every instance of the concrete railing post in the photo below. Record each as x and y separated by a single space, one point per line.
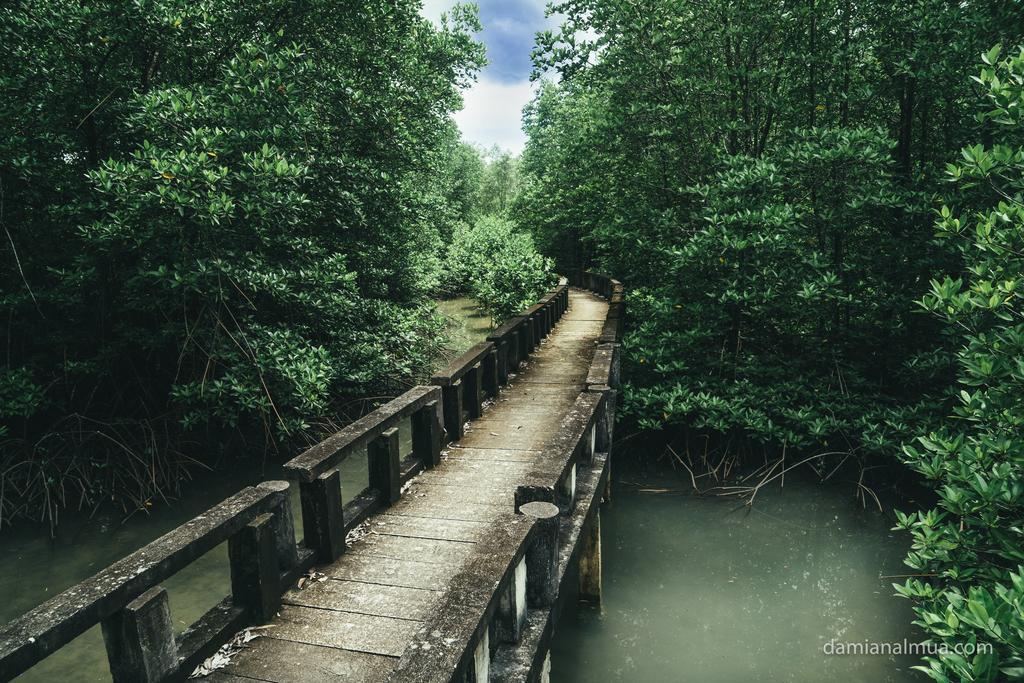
385 467
542 555
141 647
255 579
282 524
605 418
472 383
323 520
503 360
451 397
427 434
489 366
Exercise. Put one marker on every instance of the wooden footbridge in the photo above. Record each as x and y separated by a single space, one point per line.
450 566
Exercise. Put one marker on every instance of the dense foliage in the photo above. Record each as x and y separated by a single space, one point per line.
218 218
498 265
971 544
764 180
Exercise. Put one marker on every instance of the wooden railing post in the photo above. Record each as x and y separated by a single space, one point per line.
426 435
451 397
140 640
283 524
542 555
489 366
530 338
385 467
503 361
473 384
255 578
518 350
322 516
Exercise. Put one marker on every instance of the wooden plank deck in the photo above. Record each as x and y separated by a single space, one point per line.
357 622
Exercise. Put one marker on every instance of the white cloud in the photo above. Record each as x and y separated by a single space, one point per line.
432 9
493 114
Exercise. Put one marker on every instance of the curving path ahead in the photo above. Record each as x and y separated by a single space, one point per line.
359 618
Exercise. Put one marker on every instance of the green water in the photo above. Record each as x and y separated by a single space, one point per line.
35 568
705 589
695 588
467 326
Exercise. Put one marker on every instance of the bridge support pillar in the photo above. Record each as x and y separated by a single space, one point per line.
482 660
590 563
140 640
512 607
545 672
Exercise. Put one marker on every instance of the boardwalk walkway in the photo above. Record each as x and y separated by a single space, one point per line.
450 565
358 622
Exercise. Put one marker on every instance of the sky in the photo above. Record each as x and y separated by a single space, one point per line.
492 115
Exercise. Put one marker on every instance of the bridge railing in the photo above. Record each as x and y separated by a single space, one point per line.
478 616
326 519
477 612
127 600
437 413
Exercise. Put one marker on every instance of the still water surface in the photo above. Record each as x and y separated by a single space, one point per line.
706 589
695 588
34 567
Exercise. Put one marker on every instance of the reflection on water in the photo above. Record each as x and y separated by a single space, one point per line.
35 568
706 589
467 326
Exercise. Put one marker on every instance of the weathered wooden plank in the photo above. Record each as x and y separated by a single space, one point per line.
490 454
420 506
480 468
409 573
475 473
426 550
455 494
444 648
347 630
518 438
273 659
400 602
423 527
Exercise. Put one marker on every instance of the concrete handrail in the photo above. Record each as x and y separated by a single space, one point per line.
126 597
